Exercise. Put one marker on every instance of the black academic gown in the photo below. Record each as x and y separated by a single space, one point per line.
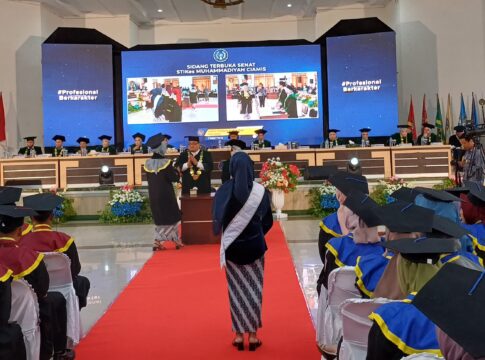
163 203
26 151
225 174
454 141
433 138
57 152
261 145
110 150
290 106
171 110
142 150
203 183
402 140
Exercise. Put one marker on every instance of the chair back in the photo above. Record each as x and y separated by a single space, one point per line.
341 285
59 269
25 312
356 326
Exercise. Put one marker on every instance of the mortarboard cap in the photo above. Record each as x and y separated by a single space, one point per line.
437 195
366 208
43 202
422 249
405 217
366 129
102 137
261 131
347 183
453 300
459 128
140 135
9 195
155 140
238 143
405 194
430 126
12 217
444 226
30 138
59 137
476 193
166 136
456 191
82 138
193 138
333 130
404 126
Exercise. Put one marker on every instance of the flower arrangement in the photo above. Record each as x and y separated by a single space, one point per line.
278 175
382 192
323 200
126 205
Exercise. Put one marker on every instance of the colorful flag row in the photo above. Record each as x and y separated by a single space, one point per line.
443 132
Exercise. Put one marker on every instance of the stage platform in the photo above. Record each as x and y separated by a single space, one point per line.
76 172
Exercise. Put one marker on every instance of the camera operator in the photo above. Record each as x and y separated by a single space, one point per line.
473 162
457 152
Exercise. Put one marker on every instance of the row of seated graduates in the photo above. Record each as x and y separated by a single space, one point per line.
21 254
425 236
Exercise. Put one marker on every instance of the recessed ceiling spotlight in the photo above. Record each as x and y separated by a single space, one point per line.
160 10
289 5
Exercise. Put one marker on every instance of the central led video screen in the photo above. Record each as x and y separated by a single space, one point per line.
208 92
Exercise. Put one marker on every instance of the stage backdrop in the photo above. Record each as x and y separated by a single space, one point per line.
77 82
207 92
362 83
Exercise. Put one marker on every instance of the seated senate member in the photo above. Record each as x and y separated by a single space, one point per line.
105 147
260 141
30 149
83 146
138 147
59 148
195 165
233 135
426 137
43 239
332 139
404 135
365 141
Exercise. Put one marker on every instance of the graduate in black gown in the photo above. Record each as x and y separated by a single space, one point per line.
138 147
105 147
29 265
161 175
11 338
30 149
43 239
236 146
195 164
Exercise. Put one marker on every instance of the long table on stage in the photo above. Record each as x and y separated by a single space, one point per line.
377 162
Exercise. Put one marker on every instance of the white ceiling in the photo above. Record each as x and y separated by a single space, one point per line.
145 12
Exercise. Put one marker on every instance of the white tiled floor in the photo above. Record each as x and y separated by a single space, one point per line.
111 255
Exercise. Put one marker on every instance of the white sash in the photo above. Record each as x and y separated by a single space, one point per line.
241 220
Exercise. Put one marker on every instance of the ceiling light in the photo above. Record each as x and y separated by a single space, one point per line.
289 5
160 10
222 4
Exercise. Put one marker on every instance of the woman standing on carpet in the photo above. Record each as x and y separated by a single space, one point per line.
242 211
163 203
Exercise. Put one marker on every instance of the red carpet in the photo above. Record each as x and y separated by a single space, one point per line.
177 307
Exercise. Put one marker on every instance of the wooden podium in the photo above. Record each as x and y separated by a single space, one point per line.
197 220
